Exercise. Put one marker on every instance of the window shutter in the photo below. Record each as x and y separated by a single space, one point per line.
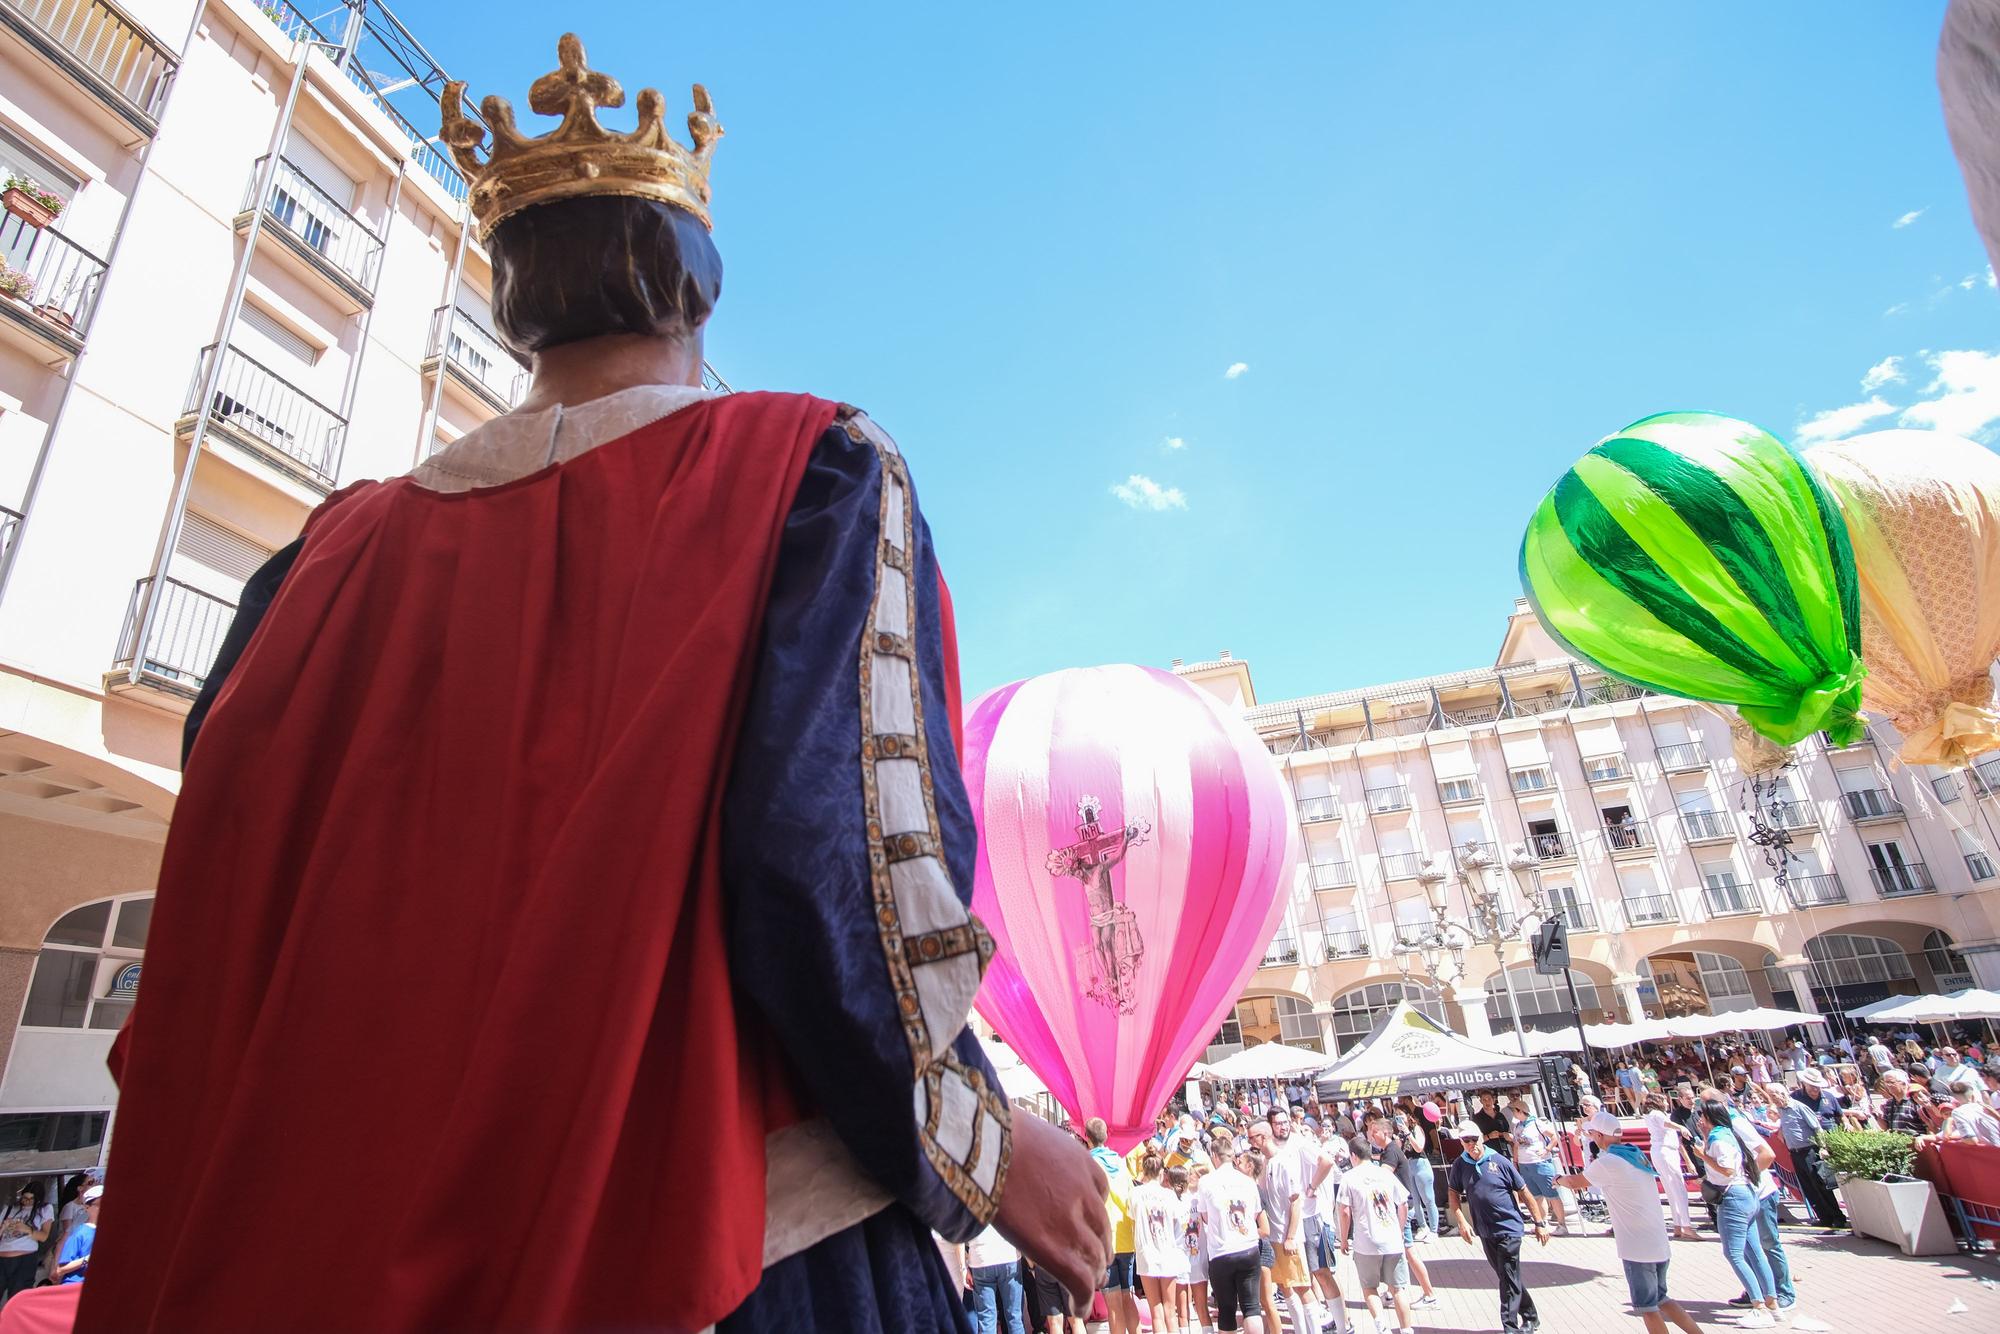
215 559
266 327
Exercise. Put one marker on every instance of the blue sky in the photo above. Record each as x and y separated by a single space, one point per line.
1451 247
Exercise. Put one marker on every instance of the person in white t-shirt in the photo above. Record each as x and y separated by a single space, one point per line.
1535 1155
1159 1225
1971 1120
1232 1219
1334 1151
23 1228
1374 1209
993 1281
1664 1149
1628 1180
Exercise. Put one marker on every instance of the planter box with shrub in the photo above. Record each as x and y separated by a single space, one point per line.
1883 1200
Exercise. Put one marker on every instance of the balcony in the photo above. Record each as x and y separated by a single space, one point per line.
485 373
99 46
1402 865
1900 882
187 632
1815 891
1332 875
10 524
1947 787
1793 814
1651 910
1871 803
1977 864
1388 800
1411 934
1706 827
1552 847
1537 778
710 380
1985 776
1610 691
57 282
1317 810
1683 756
1459 792
1463 850
1577 915
1731 898
269 418
1282 950
1627 838
319 236
1346 945
1606 769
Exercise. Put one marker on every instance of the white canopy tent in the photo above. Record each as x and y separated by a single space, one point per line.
1873 1008
1406 1052
1758 1019
1973 1003
1269 1060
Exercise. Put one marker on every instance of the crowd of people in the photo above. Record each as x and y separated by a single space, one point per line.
1238 1210
47 1240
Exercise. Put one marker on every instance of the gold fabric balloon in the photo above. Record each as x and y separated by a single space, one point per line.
1923 515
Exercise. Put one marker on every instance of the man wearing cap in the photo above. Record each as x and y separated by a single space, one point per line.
1809 1110
1628 1183
1499 1198
74 1257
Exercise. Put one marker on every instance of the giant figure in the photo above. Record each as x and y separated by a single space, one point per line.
563 924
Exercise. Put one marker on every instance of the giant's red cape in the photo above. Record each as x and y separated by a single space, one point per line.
436 1031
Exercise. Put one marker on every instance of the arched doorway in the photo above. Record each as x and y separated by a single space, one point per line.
1355 1012
85 978
1681 982
1544 1000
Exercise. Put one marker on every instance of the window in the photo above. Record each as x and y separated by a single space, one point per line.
1534 778
1948 967
1723 979
1458 789
1845 961
1298 1026
1356 1012
1604 768
88 971
1544 1001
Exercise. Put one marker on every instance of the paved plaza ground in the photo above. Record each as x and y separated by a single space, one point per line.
1851 1285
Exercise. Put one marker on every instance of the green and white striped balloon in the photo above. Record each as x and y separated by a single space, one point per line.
1695 554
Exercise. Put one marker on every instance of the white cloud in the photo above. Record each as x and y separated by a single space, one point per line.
1236 368
1899 308
1967 283
1966 394
1907 219
1889 370
1175 442
1141 492
1837 422
1991 280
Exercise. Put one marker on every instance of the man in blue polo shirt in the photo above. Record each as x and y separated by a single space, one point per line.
1499 1197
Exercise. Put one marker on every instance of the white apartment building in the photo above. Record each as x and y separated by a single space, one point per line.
1631 805
260 286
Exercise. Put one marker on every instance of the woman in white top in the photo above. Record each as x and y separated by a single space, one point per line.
1159 1226
1232 1219
1733 1167
23 1228
1664 1148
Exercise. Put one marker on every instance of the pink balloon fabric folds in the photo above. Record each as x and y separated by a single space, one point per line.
1136 844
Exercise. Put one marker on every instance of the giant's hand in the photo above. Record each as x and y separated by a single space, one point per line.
1052 1207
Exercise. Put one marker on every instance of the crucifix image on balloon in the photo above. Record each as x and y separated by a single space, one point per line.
1111 959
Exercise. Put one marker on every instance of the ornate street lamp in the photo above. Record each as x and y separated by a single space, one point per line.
1438 947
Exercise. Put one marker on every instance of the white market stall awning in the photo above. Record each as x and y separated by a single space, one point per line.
1269 1060
1973 1003
1406 1052
1873 1008
1538 1044
1758 1019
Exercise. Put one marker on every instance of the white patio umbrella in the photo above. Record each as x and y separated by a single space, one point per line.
1758 1019
1270 1060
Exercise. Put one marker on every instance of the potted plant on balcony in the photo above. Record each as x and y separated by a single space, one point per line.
27 200
1883 1200
15 283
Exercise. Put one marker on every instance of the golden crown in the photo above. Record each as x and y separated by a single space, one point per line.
579 157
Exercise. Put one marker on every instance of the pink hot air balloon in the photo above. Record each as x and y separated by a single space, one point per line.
1134 841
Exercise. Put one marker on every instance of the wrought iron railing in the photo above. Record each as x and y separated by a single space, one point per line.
1947 787
1402 865
1608 691
1314 809
1460 852
1551 847
1459 791
1627 837
1683 755
1346 944
1283 949
1706 826
472 347
1384 800
1605 769
10 525
1871 803
710 380
1332 875
187 631
320 222
1650 909
1985 775
255 404
1409 935
1535 778
1792 814
1895 882
1979 866
1815 891
1730 898
103 47
62 277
